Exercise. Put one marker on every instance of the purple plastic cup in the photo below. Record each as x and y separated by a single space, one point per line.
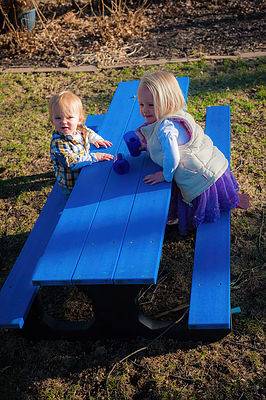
121 165
133 143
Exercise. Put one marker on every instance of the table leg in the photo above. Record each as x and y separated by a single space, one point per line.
117 311
116 314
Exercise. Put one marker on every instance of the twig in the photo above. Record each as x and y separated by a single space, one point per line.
142 349
240 164
161 280
162 374
178 308
119 362
39 10
169 327
133 52
261 231
44 27
156 288
4 369
76 5
9 24
144 292
233 283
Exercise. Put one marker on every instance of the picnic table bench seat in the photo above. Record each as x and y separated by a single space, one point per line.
108 235
18 293
210 292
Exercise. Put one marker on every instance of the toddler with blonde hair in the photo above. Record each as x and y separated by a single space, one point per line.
203 184
70 143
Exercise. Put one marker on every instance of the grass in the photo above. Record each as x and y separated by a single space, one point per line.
231 368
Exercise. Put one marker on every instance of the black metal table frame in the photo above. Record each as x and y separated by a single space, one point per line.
116 314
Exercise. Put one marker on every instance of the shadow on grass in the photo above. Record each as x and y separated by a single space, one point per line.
10 247
14 186
229 74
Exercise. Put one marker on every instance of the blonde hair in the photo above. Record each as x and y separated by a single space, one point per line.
167 95
67 102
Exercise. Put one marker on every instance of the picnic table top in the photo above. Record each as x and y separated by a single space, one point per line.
111 230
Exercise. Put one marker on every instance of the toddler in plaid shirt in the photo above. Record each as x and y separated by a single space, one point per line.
70 144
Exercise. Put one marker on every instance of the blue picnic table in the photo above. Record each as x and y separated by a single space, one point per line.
111 230
107 238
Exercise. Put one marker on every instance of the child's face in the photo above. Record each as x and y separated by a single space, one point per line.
146 105
66 123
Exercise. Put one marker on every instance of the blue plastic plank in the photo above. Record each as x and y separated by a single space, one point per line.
105 238
95 121
210 292
18 293
141 252
106 257
64 249
105 234
119 216
184 85
140 256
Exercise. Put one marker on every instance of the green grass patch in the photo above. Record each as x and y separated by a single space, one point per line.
229 369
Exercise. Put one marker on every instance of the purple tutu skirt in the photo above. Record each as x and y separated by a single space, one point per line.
221 196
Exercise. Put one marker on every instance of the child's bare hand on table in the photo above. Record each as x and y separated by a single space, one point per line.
103 143
103 156
152 179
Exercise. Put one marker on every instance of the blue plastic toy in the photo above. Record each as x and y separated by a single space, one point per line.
121 165
133 143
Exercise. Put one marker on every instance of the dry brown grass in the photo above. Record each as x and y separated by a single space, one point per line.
108 27
105 33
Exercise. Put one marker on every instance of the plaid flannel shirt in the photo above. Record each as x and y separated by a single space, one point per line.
69 153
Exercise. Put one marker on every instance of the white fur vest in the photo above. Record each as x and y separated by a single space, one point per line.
201 163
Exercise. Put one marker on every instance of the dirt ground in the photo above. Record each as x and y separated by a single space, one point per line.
66 36
73 33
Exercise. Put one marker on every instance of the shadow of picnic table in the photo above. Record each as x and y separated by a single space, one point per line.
14 186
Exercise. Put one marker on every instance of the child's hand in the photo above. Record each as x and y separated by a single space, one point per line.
143 148
157 177
102 143
103 156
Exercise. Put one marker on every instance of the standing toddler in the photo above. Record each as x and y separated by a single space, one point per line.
70 144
